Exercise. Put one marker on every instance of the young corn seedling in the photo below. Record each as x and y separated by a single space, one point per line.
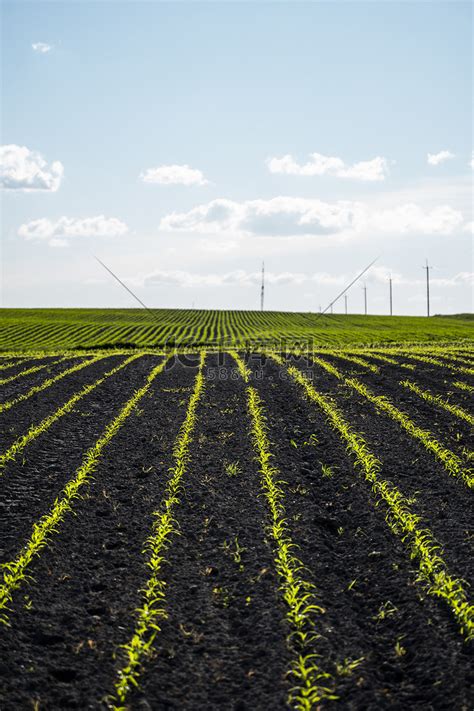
15 571
35 430
152 610
419 540
312 684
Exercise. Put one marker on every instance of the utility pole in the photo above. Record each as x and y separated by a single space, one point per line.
427 267
390 283
365 299
262 292
331 308
345 304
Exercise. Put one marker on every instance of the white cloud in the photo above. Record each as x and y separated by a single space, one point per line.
218 246
57 233
291 217
370 170
22 169
380 274
174 175
238 277
41 47
410 217
441 157
460 279
242 278
279 216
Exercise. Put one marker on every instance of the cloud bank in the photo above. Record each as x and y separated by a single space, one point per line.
370 170
174 175
243 278
58 233
22 169
291 217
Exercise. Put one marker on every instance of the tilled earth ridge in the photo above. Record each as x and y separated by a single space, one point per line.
442 500
385 641
360 569
30 483
66 627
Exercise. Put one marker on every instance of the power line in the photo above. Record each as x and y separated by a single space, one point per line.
348 287
126 287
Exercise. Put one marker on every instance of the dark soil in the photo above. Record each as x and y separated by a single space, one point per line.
224 643
30 483
442 500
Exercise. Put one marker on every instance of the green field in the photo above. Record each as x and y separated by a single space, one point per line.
56 329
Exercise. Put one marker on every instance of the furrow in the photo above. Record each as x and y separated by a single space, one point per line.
36 430
438 401
404 523
453 464
47 383
152 609
15 571
311 683
28 371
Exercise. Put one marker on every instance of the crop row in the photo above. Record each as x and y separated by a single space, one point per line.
76 328
311 683
403 521
15 571
451 462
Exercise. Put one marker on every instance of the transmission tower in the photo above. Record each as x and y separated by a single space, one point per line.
365 299
262 291
390 285
427 267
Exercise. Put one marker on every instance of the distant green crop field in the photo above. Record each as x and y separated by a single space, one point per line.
56 329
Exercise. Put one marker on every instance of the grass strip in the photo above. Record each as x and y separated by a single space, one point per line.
14 572
408 526
36 430
152 608
28 371
47 383
438 401
311 682
450 461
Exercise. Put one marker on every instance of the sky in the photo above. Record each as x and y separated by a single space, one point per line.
183 143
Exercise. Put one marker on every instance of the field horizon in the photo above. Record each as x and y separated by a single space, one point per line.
84 329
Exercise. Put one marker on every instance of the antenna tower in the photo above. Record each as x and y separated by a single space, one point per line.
427 267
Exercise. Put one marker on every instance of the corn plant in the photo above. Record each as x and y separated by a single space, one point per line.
28 371
419 540
47 383
152 609
36 430
438 401
312 684
15 572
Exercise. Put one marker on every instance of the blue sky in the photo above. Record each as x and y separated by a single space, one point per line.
117 91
